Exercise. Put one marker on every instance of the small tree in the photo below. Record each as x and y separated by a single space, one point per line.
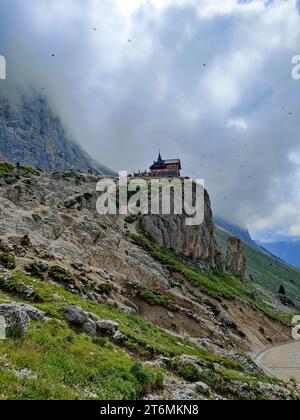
282 291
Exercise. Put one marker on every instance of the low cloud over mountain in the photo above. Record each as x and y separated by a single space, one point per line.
209 82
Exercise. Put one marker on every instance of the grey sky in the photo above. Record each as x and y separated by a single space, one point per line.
206 81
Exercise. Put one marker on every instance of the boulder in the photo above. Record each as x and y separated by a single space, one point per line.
202 388
5 246
118 337
17 321
92 325
107 327
76 316
17 317
34 313
90 328
24 290
20 251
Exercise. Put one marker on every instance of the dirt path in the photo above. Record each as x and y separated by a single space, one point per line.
282 361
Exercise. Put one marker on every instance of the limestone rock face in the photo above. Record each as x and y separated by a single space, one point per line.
32 135
198 241
236 259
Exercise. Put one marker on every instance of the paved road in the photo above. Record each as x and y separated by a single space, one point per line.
282 361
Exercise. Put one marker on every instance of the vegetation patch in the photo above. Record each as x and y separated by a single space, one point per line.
131 219
72 175
216 285
37 218
61 275
7 260
15 287
154 298
25 241
104 288
6 169
30 170
72 365
37 270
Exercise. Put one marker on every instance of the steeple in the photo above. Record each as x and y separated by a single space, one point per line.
159 160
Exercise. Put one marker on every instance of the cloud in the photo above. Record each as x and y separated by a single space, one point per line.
239 123
207 81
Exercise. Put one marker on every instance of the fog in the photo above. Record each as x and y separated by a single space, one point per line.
209 82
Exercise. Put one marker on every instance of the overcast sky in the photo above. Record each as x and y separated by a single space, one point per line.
206 81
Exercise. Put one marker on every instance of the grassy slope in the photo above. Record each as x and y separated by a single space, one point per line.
69 363
269 272
217 285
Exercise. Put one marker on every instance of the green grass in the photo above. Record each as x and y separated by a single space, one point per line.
72 175
217 285
61 275
154 298
69 363
6 169
30 170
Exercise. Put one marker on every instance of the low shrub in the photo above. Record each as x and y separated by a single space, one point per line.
7 260
37 270
105 288
146 378
61 275
154 298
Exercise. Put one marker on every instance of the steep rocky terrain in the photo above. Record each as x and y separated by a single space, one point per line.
134 318
268 271
30 133
198 241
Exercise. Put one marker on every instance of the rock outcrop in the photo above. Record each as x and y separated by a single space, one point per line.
199 241
236 259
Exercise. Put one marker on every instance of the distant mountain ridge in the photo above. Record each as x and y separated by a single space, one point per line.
269 271
235 230
30 133
288 251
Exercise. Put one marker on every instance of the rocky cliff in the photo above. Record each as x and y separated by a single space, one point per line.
199 242
30 133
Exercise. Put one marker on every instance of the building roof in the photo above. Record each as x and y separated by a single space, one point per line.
162 164
172 161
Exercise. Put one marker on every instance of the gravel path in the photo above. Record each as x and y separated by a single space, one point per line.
282 361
